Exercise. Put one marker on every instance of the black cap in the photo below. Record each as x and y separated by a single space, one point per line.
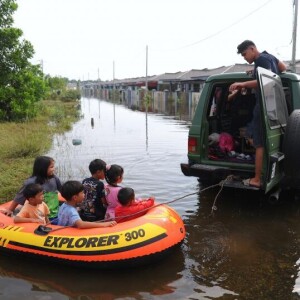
244 45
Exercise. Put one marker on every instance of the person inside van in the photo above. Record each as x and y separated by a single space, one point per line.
265 60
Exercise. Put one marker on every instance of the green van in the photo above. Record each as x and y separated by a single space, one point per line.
217 143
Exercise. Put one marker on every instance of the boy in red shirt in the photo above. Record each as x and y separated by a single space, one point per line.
130 207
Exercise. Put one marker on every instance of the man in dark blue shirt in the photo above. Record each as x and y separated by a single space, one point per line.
267 61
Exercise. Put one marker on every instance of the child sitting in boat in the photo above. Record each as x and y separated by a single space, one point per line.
43 174
113 176
35 210
92 207
131 208
68 215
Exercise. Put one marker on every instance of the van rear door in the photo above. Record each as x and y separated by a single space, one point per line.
274 120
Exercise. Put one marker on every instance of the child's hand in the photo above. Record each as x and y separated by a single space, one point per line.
7 212
111 223
37 221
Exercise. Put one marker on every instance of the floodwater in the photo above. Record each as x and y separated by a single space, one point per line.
246 249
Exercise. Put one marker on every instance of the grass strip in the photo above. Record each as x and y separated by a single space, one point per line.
21 143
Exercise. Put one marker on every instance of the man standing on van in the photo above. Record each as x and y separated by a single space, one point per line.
267 61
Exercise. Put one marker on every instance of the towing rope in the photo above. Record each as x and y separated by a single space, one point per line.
145 209
43 230
221 183
214 207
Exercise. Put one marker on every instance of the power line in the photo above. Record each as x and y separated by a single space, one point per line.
224 29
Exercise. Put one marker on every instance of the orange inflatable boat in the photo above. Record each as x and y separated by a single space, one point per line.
135 242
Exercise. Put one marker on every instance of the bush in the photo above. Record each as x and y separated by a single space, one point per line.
70 95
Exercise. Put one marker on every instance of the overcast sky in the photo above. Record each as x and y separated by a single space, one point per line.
81 39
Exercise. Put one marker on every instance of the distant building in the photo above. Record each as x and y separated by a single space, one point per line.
187 81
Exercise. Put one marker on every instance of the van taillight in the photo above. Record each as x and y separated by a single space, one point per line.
192 144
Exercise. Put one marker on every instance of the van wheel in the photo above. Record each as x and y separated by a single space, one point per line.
291 149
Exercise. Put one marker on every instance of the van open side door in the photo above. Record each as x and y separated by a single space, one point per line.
274 115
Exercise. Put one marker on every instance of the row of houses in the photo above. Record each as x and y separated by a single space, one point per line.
174 94
180 81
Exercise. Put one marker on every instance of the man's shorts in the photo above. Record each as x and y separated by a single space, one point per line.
254 128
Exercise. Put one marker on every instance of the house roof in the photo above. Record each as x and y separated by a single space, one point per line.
190 75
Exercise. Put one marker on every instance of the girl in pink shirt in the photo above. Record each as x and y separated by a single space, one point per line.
113 176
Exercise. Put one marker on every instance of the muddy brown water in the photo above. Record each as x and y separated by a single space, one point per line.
246 249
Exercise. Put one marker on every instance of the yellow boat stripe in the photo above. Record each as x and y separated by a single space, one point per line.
116 242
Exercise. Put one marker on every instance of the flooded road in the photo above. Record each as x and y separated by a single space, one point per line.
247 249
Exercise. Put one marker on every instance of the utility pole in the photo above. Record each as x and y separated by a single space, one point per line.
146 97
114 87
294 36
42 66
147 69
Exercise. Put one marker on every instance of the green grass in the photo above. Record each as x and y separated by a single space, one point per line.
20 143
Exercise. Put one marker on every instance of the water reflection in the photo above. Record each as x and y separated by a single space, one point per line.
248 249
89 284
146 118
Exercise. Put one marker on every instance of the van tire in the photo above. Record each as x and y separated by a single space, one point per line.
291 150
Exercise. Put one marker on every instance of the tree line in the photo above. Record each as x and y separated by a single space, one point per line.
23 84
